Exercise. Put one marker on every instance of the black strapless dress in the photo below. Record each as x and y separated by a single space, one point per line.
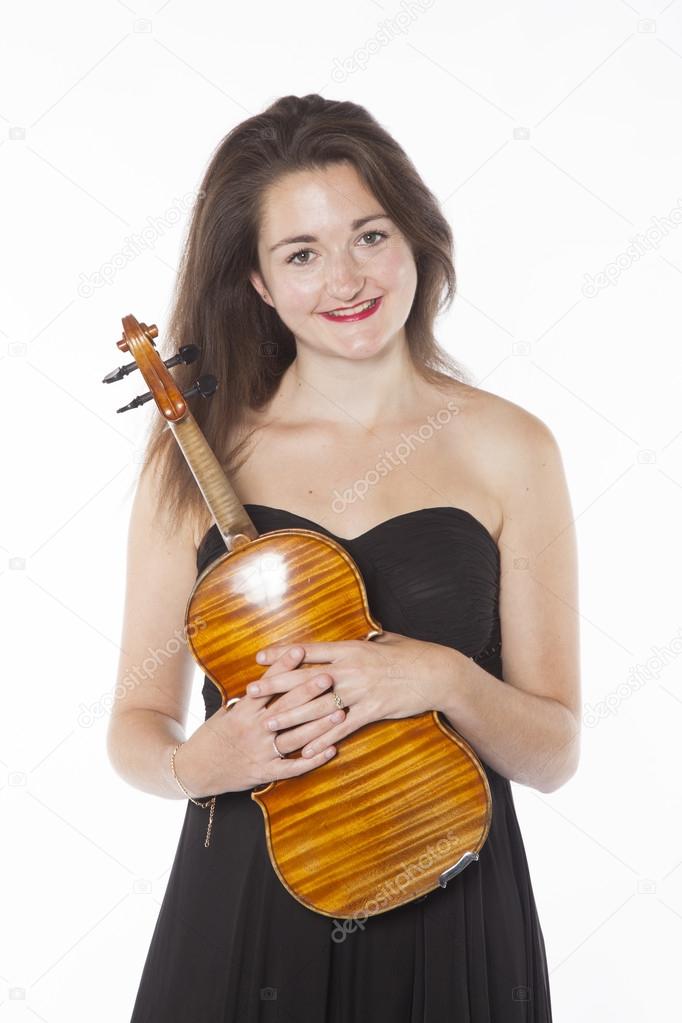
231 945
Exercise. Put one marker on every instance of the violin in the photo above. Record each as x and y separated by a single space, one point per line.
405 805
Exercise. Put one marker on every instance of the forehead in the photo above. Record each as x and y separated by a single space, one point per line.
312 198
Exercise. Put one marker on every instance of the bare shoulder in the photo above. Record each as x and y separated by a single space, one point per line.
515 442
493 411
510 453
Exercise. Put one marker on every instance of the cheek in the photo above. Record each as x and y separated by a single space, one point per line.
398 271
298 292
297 296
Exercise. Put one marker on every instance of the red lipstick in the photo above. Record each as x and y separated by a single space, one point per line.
354 317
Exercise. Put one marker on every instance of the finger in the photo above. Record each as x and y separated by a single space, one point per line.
312 710
282 714
310 685
288 660
335 734
287 656
282 682
318 653
295 738
292 767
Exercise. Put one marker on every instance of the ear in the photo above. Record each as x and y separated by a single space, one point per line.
259 285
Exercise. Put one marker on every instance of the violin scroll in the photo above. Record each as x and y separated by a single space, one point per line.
138 339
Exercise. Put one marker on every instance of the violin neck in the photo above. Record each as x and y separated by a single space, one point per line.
236 528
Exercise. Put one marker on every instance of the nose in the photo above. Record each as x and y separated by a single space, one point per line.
344 279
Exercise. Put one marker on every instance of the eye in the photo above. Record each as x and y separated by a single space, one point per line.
379 234
303 252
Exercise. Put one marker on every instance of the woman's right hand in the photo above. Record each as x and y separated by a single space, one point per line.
232 750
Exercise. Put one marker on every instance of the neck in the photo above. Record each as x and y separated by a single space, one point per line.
325 388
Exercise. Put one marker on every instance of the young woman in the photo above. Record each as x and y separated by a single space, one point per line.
315 266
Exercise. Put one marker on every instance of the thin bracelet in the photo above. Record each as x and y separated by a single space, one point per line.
209 802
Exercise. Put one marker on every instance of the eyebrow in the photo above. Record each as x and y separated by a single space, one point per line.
355 224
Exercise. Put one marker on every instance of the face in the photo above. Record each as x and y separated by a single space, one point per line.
316 256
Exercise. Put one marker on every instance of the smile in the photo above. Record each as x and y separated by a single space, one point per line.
358 312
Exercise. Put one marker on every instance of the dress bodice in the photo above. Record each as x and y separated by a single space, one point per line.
432 574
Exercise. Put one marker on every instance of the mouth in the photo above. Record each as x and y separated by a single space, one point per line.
354 313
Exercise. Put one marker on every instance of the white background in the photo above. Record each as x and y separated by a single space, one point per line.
551 135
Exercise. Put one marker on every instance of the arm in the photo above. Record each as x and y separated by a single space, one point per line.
155 669
527 727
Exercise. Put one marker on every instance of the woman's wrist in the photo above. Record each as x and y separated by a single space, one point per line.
206 804
181 772
175 772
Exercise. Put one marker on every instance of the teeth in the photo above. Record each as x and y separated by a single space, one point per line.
354 312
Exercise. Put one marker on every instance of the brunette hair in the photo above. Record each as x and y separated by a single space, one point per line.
243 341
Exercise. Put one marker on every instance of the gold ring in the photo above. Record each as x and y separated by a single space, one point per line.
338 701
281 755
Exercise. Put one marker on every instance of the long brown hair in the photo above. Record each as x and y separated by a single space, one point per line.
243 341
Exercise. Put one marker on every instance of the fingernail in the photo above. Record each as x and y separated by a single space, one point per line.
336 716
323 683
329 752
260 656
272 723
253 689
295 651
307 752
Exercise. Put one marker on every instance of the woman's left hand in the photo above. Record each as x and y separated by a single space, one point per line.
391 676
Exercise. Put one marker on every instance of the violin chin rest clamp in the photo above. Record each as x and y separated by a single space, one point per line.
455 869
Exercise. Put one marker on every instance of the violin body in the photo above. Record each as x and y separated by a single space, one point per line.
403 802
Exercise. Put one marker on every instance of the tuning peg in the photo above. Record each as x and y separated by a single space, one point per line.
151 331
186 354
206 385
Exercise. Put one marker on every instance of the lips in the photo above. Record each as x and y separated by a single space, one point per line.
364 309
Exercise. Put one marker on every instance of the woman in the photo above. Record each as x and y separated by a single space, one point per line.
315 265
